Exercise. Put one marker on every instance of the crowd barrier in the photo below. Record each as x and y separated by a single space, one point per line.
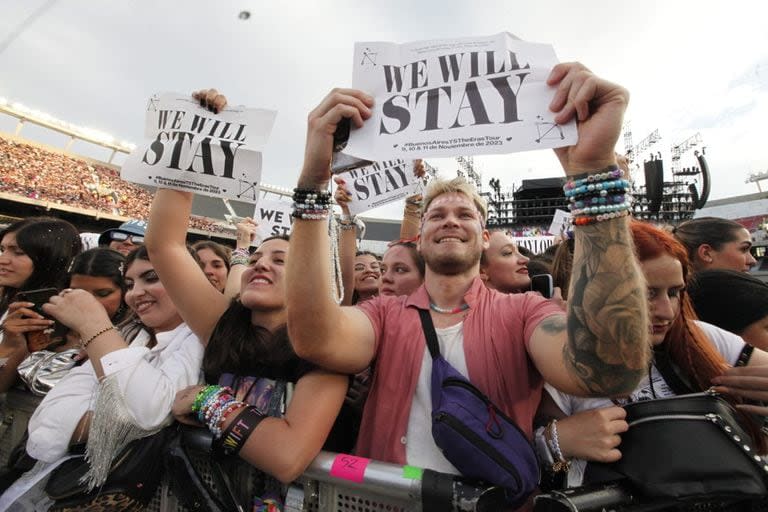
336 482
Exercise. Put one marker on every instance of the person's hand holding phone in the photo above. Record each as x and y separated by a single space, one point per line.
40 339
78 310
24 322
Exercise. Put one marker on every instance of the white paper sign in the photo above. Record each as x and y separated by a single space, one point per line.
561 221
469 96
380 183
273 218
192 149
535 244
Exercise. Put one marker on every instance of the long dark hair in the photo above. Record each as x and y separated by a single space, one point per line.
51 244
103 262
238 346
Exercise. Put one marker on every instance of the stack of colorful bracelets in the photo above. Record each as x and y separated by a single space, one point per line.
599 197
309 204
212 406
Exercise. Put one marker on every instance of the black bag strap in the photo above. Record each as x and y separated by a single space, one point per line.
663 363
429 333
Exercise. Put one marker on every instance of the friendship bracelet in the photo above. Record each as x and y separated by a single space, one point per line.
309 196
240 257
600 188
208 404
311 214
603 208
554 444
239 430
612 172
598 200
201 396
84 344
583 220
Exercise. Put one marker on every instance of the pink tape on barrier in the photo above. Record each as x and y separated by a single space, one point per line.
349 467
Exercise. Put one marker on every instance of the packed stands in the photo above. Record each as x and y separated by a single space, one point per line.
37 173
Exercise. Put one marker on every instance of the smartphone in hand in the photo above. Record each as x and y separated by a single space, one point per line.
37 297
542 283
39 340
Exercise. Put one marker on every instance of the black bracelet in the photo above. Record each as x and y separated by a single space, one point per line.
238 432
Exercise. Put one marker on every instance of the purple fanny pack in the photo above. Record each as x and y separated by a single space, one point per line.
475 435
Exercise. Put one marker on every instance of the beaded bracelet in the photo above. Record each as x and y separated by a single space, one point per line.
561 464
597 200
602 188
310 204
208 404
603 208
612 172
583 220
240 257
202 395
84 344
308 197
299 213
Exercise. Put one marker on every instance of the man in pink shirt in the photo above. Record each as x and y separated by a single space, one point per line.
507 345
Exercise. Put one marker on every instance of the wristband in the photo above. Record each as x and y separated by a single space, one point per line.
239 430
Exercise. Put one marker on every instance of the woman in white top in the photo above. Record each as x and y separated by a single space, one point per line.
126 388
702 355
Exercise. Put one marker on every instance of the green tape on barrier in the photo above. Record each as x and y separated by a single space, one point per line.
412 472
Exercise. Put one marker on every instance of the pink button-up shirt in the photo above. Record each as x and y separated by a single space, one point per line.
496 329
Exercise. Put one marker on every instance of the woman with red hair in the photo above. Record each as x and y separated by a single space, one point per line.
701 354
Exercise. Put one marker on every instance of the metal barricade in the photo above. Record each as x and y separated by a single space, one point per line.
332 483
372 486
340 483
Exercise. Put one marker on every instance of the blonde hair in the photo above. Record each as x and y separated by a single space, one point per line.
439 187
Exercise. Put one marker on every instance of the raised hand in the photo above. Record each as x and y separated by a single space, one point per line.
246 233
337 105
598 106
211 99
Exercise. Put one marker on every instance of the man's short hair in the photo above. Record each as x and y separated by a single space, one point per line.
439 186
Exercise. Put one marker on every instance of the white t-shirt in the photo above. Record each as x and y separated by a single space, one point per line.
420 447
728 344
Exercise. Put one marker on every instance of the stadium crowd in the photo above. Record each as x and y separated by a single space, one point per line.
37 173
260 355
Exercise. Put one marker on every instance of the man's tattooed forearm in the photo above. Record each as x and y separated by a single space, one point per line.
607 346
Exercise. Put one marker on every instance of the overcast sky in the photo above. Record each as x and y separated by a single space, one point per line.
690 66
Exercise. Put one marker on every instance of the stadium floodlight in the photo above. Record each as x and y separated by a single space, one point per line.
24 112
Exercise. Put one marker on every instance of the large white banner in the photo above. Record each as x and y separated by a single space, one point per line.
452 97
192 149
273 218
380 183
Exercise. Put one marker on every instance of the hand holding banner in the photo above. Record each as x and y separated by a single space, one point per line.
464 96
195 150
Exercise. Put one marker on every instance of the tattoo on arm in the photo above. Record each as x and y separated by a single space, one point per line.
607 348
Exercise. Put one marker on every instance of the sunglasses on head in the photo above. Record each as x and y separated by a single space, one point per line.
119 236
